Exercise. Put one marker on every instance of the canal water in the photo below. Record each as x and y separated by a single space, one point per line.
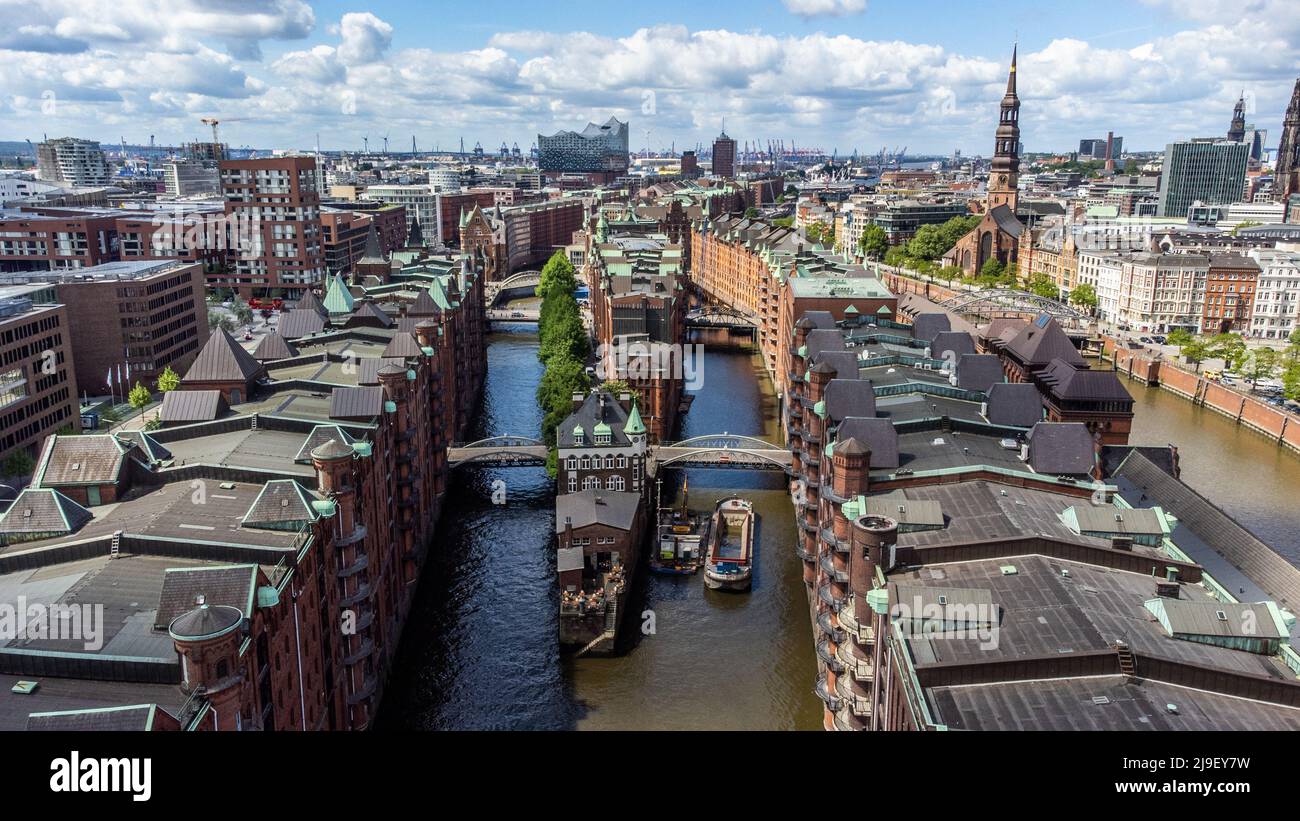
480 652
480 649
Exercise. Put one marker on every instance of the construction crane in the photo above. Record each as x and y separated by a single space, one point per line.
212 121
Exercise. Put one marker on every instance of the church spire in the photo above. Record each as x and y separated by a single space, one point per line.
1011 75
1004 174
1237 131
1286 175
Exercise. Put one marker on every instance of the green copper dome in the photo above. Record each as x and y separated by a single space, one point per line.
634 425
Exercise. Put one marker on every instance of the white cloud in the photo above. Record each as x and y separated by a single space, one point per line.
154 67
818 8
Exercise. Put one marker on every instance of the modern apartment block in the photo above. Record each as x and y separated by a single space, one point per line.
189 178
38 385
72 162
1211 171
145 314
723 163
51 240
273 226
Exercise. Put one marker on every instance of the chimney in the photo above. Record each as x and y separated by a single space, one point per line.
1167 590
625 402
1171 574
577 400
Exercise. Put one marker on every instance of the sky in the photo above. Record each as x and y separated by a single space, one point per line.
840 75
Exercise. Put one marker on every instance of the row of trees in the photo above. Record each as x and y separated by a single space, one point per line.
1253 365
564 347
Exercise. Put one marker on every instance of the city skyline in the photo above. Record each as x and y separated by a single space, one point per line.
835 74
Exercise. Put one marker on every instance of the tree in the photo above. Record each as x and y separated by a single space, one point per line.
18 463
616 386
139 396
1196 351
1084 296
567 339
1263 364
243 313
751 212
1179 337
217 319
896 256
168 380
874 243
558 276
992 272
819 233
1041 284
948 273
1231 348
928 243
1291 381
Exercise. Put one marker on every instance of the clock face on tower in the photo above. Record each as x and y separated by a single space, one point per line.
1002 179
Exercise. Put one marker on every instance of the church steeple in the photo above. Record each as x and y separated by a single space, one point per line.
1286 176
1237 131
1005 174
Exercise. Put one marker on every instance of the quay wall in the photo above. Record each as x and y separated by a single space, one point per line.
1278 425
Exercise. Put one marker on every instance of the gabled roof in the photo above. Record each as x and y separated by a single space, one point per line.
282 503
402 346
223 360
423 305
1003 329
231 586
301 322
356 403
373 255
1061 449
415 238
844 363
606 507
80 460
1042 342
955 342
310 302
821 340
589 415
368 368
192 406
876 434
978 372
320 435
42 511
1007 222
368 313
129 718
1071 383
1016 404
338 299
149 447
272 347
850 397
929 325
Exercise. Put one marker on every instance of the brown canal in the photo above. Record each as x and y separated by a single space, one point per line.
480 650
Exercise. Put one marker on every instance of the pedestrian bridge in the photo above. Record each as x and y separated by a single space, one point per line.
498 451
721 452
724 451
522 283
716 316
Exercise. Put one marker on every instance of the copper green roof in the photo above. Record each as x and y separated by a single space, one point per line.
338 299
634 425
602 428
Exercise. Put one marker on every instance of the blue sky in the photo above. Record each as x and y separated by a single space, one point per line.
839 74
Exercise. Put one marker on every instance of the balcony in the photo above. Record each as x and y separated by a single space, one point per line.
828 596
829 658
862 670
803 554
839 545
833 702
361 562
836 634
362 593
828 565
358 534
366 690
363 651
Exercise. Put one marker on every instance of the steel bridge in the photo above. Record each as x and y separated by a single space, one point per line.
724 451
716 316
499 451
721 452
994 302
523 279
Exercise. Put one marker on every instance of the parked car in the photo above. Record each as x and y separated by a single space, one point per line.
1159 340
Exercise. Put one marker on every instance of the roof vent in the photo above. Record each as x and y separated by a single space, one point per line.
1220 615
76 466
1172 708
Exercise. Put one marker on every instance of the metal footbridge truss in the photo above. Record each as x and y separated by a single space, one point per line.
722 451
499 451
992 302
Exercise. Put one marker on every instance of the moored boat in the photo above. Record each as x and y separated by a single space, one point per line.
681 539
730 562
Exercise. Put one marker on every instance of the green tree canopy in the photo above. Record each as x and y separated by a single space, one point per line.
139 396
1196 351
1084 296
1262 364
558 276
1179 337
1042 285
1231 348
874 243
168 380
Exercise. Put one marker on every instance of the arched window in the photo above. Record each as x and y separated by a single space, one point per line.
591 483
573 463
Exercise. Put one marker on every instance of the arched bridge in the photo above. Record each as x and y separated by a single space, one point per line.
993 302
523 283
719 317
722 451
499 451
